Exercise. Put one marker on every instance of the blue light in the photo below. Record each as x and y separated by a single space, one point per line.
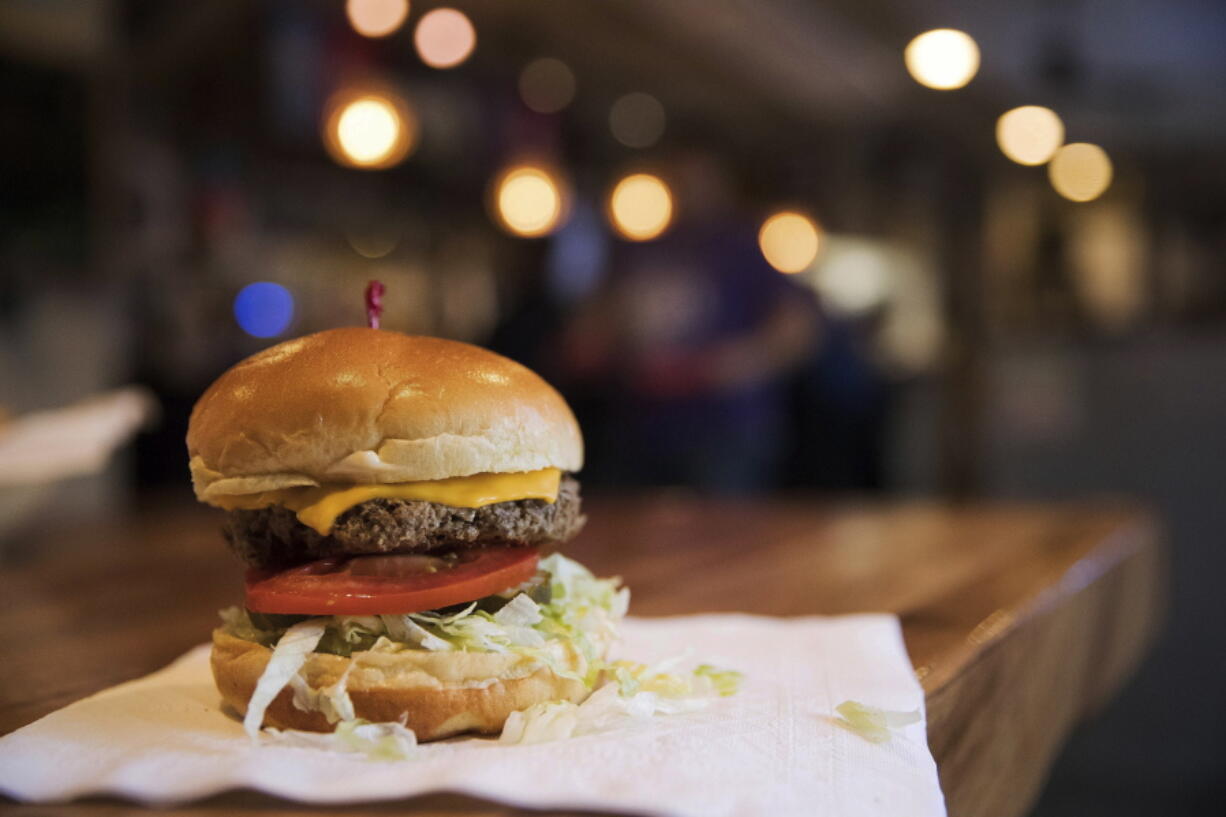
264 310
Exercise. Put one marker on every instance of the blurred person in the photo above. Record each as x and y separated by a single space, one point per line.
841 398
544 282
690 341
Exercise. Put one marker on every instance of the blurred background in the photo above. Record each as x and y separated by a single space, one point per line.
762 246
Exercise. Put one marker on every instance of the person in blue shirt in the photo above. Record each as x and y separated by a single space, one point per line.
692 340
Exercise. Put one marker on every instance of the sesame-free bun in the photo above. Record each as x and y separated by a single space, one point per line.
436 694
361 405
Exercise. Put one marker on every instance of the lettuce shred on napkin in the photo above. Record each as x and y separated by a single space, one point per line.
636 694
377 741
872 724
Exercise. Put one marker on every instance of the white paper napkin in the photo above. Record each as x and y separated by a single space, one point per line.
46 446
773 748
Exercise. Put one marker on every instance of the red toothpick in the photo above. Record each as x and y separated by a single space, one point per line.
374 304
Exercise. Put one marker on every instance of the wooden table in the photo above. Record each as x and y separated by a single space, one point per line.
1019 620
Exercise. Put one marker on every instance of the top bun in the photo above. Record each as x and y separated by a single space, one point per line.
361 405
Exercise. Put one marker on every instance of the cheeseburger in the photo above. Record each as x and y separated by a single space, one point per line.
397 500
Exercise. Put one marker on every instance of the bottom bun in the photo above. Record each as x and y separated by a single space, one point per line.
436 694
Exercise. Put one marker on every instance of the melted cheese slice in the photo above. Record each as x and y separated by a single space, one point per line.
318 508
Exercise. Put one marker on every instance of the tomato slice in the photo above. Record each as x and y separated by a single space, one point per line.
388 584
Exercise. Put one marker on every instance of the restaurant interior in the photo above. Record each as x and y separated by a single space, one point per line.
766 249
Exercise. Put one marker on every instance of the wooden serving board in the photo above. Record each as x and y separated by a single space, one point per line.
1019 620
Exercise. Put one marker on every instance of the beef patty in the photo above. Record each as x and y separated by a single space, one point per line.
273 536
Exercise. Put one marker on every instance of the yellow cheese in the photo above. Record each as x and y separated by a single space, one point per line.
318 508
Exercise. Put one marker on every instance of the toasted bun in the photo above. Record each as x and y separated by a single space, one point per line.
437 694
364 405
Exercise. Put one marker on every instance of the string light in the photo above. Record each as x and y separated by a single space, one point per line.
789 241
444 38
944 59
1080 171
640 207
376 18
371 130
1029 135
529 201
547 85
637 120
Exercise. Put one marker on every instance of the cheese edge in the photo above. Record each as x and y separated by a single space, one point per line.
319 507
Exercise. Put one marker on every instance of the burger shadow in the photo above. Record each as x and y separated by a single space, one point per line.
249 800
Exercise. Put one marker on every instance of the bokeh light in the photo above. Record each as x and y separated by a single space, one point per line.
1029 135
637 120
789 240
1108 249
640 207
547 85
369 130
373 240
529 201
943 58
376 18
853 278
1080 171
444 38
264 309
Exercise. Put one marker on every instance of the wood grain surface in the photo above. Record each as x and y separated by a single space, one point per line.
1019 620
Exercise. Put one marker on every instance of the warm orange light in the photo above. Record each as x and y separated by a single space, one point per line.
944 59
371 130
1029 135
547 85
641 207
444 38
789 240
637 120
529 201
376 18
1080 171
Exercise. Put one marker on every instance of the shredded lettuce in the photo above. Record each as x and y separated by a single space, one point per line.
378 741
385 645
637 693
287 658
725 681
704 682
573 606
872 724
520 611
582 610
477 630
405 630
333 700
237 622
541 723
567 606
